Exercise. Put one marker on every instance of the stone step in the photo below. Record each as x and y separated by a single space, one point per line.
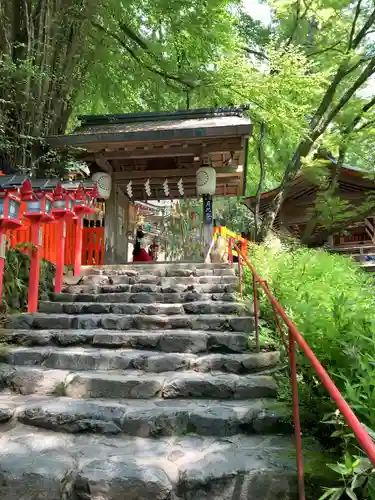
136 384
215 322
160 340
156 280
139 308
145 297
76 358
149 418
41 464
159 269
150 288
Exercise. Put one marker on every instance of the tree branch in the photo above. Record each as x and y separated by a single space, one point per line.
257 53
365 125
132 52
327 49
363 77
364 30
299 17
354 23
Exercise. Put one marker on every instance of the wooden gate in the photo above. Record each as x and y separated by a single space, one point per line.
93 246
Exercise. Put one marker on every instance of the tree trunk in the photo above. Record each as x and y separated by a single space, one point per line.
262 174
42 47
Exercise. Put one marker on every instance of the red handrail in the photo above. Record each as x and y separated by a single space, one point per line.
361 434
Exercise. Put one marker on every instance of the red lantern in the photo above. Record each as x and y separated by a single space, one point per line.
38 209
83 205
10 202
38 203
83 201
62 204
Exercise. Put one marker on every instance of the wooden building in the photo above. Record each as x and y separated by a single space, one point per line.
353 186
155 147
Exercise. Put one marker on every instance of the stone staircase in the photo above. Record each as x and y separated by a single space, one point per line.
138 383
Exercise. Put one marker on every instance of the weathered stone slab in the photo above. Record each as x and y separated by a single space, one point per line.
163 340
73 416
188 385
30 380
211 307
119 474
155 418
26 474
78 359
176 357
114 289
238 474
40 464
6 413
103 385
223 322
235 363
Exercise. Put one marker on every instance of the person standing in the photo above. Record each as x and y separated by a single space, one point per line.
139 252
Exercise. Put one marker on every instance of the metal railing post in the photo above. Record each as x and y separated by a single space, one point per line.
256 313
296 417
230 251
240 275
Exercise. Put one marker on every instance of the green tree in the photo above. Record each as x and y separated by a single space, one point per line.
337 40
60 56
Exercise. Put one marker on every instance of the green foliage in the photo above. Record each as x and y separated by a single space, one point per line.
331 301
356 473
231 212
16 279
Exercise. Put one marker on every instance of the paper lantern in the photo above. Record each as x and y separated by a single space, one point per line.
206 181
104 182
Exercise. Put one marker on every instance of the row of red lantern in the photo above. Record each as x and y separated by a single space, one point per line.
43 205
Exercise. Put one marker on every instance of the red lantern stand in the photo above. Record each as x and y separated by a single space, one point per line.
62 211
39 209
83 201
10 202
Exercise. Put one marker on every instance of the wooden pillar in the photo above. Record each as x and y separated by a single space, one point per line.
36 242
207 222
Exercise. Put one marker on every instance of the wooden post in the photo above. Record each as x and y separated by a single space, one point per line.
60 256
207 222
34 267
2 262
78 247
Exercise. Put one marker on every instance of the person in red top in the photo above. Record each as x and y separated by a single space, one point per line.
139 252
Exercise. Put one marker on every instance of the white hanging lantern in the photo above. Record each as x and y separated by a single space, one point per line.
104 183
206 180
166 187
148 188
129 189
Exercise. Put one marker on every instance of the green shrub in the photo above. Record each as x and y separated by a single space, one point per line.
16 279
331 301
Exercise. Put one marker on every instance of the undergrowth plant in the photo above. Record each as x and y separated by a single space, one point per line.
331 301
16 278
